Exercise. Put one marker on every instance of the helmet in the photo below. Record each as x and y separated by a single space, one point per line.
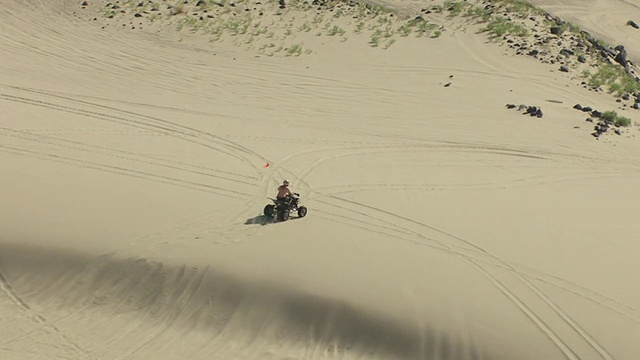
285 183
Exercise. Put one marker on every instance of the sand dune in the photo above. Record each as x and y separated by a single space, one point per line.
442 225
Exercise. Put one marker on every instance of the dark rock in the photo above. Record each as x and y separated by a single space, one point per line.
510 106
621 57
137 15
617 131
595 134
533 53
633 24
589 120
567 52
600 129
596 113
201 3
564 68
577 106
587 109
533 111
557 30
636 106
447 84
282 4
85 3
582 59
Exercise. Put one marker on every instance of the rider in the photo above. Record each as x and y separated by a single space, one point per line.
284 194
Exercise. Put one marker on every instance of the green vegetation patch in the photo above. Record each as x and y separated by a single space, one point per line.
613 117
501 26
613 77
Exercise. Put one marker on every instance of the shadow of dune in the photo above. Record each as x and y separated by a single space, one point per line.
208 300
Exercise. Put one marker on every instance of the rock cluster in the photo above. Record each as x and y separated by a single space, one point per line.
527 109
602 125
567 49
560 47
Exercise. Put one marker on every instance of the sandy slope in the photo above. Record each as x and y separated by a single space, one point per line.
607 20
441 225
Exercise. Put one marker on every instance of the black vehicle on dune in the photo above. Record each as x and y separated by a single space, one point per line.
281 209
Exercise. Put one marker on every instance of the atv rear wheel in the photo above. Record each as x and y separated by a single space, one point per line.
284 215
302 211
268 210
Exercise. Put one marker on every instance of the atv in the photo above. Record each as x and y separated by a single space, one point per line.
281 210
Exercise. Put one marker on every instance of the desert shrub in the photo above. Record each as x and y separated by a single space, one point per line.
455 8
622 121
501 26
614 77
613 117
335 30
294 50
629 83
478 12
178 9
521 7
609 115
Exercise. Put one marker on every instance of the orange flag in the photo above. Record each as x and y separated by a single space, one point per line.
266 165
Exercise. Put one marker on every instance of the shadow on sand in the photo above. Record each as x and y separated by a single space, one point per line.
266 220
155 292
260 220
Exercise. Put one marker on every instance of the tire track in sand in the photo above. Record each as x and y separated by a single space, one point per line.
552 335
568 352
369 211
6 288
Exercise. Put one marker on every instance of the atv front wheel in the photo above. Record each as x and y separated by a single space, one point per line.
302 211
